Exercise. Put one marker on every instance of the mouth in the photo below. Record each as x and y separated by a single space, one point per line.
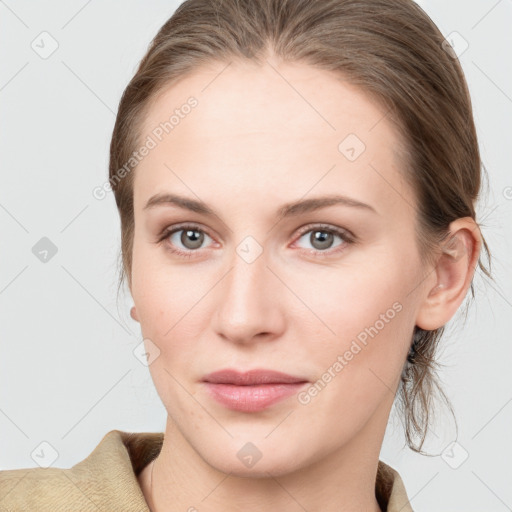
252 377
251 391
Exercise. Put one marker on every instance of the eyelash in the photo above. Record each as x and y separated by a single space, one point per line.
347 237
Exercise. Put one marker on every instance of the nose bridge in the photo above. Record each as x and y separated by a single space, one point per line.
246 282
247 305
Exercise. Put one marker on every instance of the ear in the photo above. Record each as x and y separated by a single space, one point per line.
133 314
453 272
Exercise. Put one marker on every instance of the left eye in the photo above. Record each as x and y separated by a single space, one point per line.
322 238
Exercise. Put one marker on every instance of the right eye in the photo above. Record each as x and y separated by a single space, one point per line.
190 236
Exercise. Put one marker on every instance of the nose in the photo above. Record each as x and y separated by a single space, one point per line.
251 302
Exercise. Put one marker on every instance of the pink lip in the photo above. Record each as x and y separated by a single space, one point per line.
251 391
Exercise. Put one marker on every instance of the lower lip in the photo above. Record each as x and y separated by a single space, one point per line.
251 398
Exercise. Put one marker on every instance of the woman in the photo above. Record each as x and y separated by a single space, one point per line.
296 184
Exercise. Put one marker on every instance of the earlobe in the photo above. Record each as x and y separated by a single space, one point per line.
454 272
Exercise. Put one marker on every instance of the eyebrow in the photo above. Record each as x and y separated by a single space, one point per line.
287 210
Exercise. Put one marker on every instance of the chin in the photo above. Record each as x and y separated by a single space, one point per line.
261 469
254 456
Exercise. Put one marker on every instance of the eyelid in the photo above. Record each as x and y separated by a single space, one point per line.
327 227
182 225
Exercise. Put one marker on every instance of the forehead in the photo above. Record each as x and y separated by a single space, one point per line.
257 127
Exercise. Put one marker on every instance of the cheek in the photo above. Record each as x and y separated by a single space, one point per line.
359 367
366 321
163 297
167 301
153 288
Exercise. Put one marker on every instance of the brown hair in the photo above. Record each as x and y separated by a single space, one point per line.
394 52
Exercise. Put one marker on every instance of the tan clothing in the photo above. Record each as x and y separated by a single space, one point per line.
106 480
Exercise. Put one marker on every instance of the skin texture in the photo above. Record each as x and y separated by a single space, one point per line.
261 137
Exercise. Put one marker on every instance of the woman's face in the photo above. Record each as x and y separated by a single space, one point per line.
326 294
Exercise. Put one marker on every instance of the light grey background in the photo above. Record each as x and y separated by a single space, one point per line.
68 373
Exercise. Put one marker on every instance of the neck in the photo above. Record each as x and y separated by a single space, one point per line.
179 478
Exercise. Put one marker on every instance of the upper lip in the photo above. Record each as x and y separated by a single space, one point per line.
251 377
